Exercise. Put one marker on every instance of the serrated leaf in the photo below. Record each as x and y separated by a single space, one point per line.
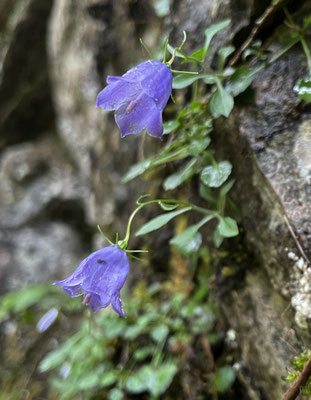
160 221
240 80
137 170
228 227
221 102
215 176
303 88
179 177
211 31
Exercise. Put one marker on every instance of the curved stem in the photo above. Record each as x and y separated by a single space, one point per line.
123 243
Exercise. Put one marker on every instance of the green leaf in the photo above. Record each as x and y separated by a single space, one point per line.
159 333
307 21
205 192
228 227
167 207
115 394
240 80
108 378
57 357
136 383
178 53
190 239
21 300
154 379
197 146
198 54
163 377
226 188
170 126
160 221
143 352
303 88
215 176
224 378
211 31
223 53
221 102
183 80
217 237
175 180
137 170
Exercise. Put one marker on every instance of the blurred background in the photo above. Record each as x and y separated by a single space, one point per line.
223 324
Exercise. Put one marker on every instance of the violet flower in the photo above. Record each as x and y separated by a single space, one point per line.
100 277
138 97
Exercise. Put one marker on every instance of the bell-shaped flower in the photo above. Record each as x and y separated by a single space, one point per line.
99 278
138 97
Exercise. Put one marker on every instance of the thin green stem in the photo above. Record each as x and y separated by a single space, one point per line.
123 243
174 71
307 51
146 48
165 49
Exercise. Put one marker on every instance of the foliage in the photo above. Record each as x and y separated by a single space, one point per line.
109 356
113 357
298 363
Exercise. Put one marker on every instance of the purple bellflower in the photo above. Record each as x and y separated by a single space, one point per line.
138 97
100 277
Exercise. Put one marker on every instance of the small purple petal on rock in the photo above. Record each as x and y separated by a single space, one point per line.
138 98
100 277
47 320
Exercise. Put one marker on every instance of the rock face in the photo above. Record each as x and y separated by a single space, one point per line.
268 143
61 159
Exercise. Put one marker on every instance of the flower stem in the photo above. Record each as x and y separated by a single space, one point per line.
123 243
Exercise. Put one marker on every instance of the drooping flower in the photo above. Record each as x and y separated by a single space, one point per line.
138 97
99 278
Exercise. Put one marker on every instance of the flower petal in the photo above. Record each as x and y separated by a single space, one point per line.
154 125
116 304
73 291
141 71
138 118
95 303
99 277
117 93
109 272
159 85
